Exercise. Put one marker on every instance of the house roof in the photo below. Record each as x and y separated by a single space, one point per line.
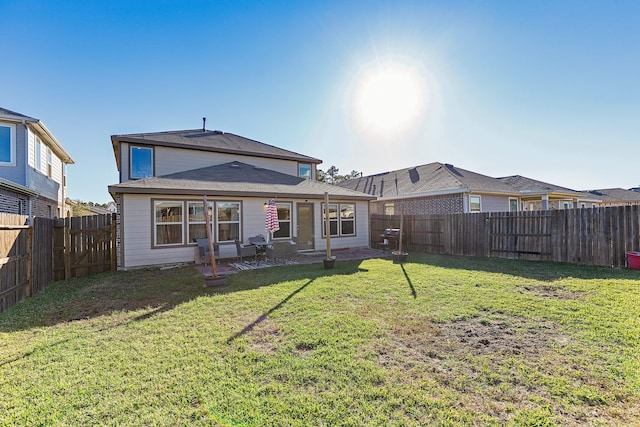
616 195
208 140
430 179
12 186
236 179
525 186
443 178
39 128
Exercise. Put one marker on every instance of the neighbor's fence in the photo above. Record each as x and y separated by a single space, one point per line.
595 236
33 256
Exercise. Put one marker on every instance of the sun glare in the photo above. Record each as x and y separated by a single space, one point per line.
389 99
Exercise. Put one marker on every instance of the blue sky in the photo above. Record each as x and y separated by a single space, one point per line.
545 89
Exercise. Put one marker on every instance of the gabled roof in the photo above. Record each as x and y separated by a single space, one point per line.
39 128
527 186
424 180
238 180
442 178
613 195
207 140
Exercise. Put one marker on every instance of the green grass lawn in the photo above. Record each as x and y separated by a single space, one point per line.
438 341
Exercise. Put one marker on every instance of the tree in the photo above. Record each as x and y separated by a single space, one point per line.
331 176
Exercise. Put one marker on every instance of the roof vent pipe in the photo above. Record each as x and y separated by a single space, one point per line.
204 120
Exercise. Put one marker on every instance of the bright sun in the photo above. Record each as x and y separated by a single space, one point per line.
389 99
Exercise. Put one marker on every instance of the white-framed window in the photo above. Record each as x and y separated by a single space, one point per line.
196 221
342 219
49 161
304 170
228 221
566 204
513 204
7 144
168 223
140 162
284 221
474 204
38 154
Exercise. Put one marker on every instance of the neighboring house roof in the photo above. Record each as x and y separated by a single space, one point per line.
39 128
236 179
207 140
443 178
99 210
527 186
616 195
17 188
426 180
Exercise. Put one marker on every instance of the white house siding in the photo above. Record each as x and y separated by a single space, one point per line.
137 229
169 160
491 203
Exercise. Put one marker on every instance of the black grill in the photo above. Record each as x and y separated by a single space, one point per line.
391 236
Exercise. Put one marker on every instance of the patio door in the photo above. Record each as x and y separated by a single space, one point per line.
305 226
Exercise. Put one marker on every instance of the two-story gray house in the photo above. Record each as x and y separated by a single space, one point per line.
164 177
33 178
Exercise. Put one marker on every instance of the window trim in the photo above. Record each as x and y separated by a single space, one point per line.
154 224
290 221
210 205
153 160
12 144
479 203
300 165
514 199
339 220
216 238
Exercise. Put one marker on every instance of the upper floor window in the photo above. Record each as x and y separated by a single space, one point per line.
38 155
7 145
304 170
474 203
49 161
141 162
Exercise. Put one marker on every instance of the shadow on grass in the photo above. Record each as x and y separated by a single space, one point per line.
413 290
536 270
263 317
342 268
149 291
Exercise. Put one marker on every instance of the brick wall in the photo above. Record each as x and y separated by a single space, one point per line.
13 203
448 203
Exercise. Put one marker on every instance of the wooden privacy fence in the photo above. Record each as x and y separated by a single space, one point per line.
594 236
33 256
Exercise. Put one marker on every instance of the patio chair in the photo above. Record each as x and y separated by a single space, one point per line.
203 251
277 250
245 251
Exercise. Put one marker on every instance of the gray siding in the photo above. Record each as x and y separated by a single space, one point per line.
17 173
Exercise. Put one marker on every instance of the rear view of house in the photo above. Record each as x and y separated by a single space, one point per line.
164 177
33 178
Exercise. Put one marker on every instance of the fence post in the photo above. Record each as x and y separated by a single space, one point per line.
114 231
67 248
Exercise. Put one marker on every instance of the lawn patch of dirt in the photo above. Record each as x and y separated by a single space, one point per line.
496 363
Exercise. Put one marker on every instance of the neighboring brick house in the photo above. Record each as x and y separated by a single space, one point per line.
33 179
440 188
164 176
616 196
